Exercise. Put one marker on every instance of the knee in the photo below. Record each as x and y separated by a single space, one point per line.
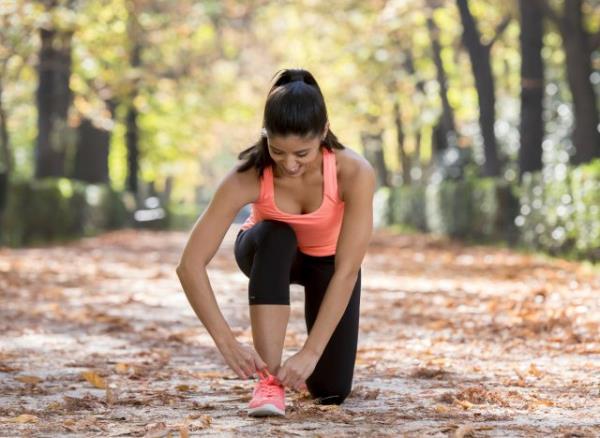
329 394
275 233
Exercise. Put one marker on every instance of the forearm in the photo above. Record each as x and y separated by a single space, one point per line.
332 308
202 299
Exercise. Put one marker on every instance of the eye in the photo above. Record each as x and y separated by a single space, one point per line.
276 152
302 154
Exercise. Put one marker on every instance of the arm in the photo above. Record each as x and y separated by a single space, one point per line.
352 245
207 234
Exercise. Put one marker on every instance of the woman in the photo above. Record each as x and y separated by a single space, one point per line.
311 223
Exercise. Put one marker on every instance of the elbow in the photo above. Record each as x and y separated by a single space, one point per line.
182 269
185 267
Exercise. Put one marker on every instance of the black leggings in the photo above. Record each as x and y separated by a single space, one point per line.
268 254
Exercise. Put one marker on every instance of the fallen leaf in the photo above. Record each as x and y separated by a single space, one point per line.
32 380
184 388
24 418
54 406
465 404
157 430
75 403
209 374
441 409
206 420
329 408
94 379
464 431
184 431
543 402
535 371
427 373
122 368
7 369
111 395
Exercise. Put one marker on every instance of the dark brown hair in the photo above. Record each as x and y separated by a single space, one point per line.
295 105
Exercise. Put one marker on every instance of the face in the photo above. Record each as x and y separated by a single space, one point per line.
292 154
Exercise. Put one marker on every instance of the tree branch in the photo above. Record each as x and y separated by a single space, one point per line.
499 31
549 11
594 40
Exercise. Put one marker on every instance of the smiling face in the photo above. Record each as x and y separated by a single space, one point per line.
294 155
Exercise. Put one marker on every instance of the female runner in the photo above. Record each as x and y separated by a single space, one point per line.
311 223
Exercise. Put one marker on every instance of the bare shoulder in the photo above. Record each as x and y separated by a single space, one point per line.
243 186
354 172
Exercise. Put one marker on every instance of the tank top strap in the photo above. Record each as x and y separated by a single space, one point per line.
330 174
266 184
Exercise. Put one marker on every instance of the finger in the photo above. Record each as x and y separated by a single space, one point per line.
248 368
240 373
300 385
235 368
258 362
292 378
246 362
281 374
296 383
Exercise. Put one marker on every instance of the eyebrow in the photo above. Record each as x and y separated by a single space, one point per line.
295 152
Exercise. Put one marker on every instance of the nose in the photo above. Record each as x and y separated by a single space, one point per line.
290 163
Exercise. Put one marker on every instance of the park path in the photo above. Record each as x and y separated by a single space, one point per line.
97 339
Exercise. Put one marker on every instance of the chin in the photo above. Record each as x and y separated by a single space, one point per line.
293 175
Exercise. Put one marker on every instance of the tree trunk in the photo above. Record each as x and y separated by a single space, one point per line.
532 87
6 163
586 137
402 155
484 83
417 155
53 101
132 135
447 112
373 147
93 146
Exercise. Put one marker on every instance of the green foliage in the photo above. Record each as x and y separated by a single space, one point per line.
494 207
381 207
408 206
182 216
531 217
557 210
586 199
56 209
546 218
105 209
448 206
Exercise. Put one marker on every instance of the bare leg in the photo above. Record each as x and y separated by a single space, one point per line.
269 323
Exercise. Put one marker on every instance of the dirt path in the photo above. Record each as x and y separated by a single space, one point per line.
455 341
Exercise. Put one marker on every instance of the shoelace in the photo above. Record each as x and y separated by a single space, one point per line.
268 383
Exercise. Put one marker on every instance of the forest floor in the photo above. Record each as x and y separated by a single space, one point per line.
98 339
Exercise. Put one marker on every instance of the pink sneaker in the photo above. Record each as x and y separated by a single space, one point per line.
268 397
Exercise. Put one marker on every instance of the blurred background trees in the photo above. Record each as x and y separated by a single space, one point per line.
457 103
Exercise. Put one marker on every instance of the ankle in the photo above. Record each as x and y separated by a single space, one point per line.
273 369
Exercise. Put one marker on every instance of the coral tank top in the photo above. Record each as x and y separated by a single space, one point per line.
318 231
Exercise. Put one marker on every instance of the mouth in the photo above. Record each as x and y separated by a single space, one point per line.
292 171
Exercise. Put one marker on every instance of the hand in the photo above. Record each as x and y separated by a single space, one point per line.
242 359
294 371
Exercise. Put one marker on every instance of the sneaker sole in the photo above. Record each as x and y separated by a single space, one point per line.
266 410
